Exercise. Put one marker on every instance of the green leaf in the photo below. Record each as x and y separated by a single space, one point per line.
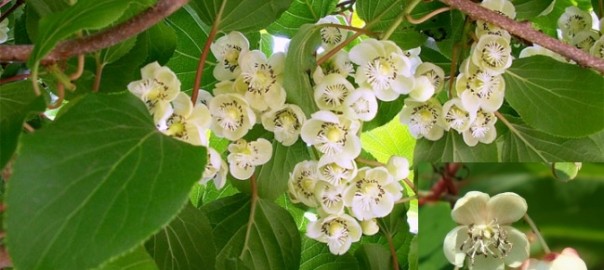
528 9
452 148
266 43
186 243
117 75
386 112
435 222
274 175
110 181
390 139
257 235
373 256
241 15
301 12
299 64
413 254
551 96
162 42
17 100
117 51
192 34
84 15
138 259
316 256
525 144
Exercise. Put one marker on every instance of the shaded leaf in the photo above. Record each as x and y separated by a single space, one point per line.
301 12
452 148
373 256
434 224
138 259
241 15
274 175
316 256
528 9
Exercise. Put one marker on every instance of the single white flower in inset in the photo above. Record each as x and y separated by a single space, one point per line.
372 193
245 156
338 64
157 88
336 171
286 122
332 135
457 116
597 49
331 92
4 30
484 234
425 119
584 40
370 226
227 50
398 167
492 53
331 36
216 169
338 231
232 117
382 67
538 50
261 79
566 260
203 98
573 21
479 89
482 129
330 197
187 123
302 181
434 73
423 89
361 104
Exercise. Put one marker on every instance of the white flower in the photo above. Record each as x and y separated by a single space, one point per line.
339 64
538 50
504 7
492 53
330 197
203 98
227 50
245 156
479 89
484 234
361 104
332 135
568 259
422 90
584 40
398 167
4 30
372 193
487 28
331 92
370 226
424 119
382 67
434 73
481 130
216 169
457 116
331 36
413 55
286 122
573 21
336 171
187 123
597 49
338 231
261 79
232 117
157 88
302 181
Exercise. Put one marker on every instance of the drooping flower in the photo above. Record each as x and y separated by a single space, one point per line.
484 235
336 171
286 122
331 36
597 49
538 50
457 116
434 73
331 92
3 30
479 89
584 40
338 64
332 135
361 104
302 181
227 50
157 88
398 167
338 231
425 119
372 193
566 260
245 156
383 67
330 197
492 53
481 130
261 80
187 123
232 117
216 169
573 21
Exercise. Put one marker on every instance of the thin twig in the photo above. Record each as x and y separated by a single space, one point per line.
526 31
98 41
15 78
336 49
80 69
410 184
427 16
28 127
533 226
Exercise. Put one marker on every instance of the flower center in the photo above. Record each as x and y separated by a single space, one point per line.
493 54
576 23
489 240
230 115
231 57
331 35
380 72
261 79
334 134
423 118
482 84
456 117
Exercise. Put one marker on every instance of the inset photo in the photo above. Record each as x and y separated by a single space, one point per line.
523 216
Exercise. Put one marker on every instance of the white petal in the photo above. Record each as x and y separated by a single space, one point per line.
241 173
370 226
148 71
366 51
398 167
491 263
471 209
313 230
264 150
423 89
277 62
182 105
520 247
404 85
507 207
452 244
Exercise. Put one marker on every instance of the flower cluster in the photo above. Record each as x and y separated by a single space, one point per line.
576 29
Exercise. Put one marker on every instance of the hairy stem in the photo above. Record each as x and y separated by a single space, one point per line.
526 31
533 226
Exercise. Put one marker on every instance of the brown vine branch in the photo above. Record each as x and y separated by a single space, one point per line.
526 31
98 41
